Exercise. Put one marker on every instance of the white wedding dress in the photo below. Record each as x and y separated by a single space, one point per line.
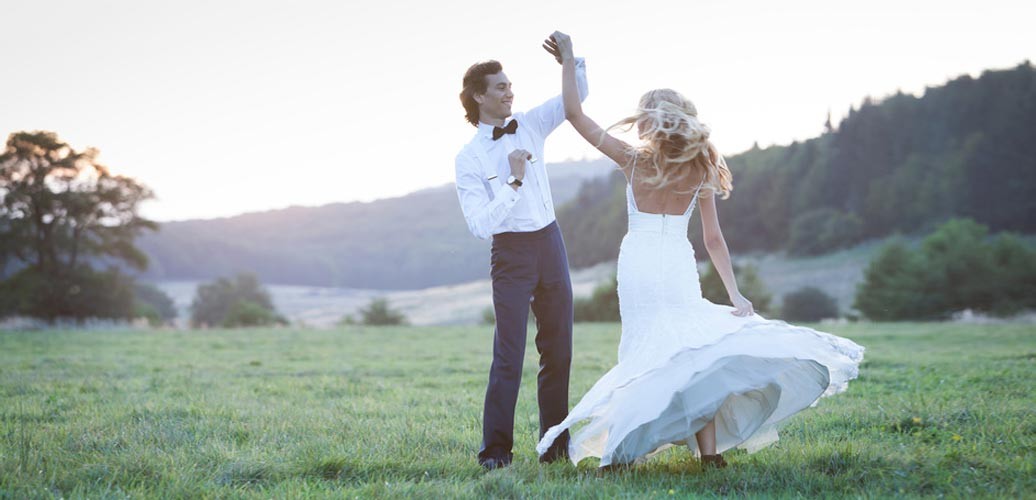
684 360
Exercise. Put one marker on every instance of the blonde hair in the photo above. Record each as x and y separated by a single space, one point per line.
675 142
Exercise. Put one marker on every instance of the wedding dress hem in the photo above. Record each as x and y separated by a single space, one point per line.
633 415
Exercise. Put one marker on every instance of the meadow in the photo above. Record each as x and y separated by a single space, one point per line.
939 409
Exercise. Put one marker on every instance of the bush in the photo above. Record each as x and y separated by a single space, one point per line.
808 304
488 316
602 305
78 294
748 282
378 313
148 312
956 268
246 313
233 302
153 304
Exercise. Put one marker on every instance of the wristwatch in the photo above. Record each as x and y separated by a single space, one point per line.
514 180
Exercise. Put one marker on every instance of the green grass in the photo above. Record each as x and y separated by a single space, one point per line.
938 410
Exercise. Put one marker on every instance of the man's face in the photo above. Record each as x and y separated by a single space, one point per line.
496 102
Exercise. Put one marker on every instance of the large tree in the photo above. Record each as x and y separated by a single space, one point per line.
61 210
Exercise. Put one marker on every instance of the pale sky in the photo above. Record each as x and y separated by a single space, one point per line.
225 107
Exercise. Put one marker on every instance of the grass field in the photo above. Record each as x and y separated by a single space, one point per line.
938 410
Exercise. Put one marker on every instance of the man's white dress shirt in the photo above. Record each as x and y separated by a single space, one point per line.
490 206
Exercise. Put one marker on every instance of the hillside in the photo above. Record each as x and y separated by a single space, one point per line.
901 165
410 242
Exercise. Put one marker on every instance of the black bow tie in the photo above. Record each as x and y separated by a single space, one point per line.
510 128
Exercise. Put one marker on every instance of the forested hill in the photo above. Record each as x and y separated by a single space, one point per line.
902 164
899 165
410 242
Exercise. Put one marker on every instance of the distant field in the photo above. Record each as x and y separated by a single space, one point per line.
837 274
462 304
323 307
939 410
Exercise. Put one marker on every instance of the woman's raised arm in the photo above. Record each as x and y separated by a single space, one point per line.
560 45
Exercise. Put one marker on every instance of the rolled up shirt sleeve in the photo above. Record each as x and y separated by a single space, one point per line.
547 116
483 215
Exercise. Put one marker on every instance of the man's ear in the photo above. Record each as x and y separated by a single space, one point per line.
479 97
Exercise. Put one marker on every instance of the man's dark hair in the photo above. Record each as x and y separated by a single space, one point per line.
475 83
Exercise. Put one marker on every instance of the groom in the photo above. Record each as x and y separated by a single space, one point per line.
505 195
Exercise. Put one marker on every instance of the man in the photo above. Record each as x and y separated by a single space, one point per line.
505 195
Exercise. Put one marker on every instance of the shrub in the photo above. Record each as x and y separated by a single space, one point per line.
77 294
232 302
808 304
378 312
956 268
602 305
153 304
488 316
246 313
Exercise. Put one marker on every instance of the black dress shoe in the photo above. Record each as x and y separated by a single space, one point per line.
614 468
494 463
552 456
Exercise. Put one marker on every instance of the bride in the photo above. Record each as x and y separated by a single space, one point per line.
690 372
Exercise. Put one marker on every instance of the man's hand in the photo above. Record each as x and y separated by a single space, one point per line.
517 158
559 45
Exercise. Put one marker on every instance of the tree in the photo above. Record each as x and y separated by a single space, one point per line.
60 210
893 286
808 304
233 302
902 164
61 206
957 265
823 230
1015 274
748 283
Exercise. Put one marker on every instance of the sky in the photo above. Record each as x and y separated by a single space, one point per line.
226 107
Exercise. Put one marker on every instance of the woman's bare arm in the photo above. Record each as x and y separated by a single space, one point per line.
560 45
720 255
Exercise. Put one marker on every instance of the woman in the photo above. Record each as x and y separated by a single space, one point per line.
690 372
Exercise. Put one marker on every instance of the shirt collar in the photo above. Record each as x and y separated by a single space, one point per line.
486 130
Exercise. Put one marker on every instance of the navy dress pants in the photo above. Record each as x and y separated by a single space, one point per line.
528 266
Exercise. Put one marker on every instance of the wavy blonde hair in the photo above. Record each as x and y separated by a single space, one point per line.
675 142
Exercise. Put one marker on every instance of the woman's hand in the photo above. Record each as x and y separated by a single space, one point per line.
742 307
559 45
